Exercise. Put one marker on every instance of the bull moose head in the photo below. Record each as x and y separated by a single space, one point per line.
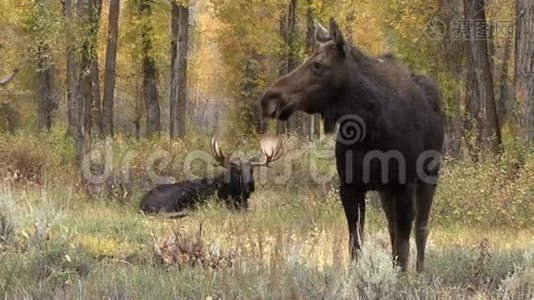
238 179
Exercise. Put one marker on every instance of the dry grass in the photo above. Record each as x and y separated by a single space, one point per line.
275 250
292 243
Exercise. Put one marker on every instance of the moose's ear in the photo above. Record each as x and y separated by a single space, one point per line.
337 36
321 33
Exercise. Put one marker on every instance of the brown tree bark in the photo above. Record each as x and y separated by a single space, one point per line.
72 65
288 31
81 57
281 126
295 122
96 102
481 78
45 70
109 75
249 110
46 93
524 65
150 73
451 50
88 76
179 52
308 120
503 102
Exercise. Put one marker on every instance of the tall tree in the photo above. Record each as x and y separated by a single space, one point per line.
289 34
81 19
451 49
179 52
46 86
88 77
72 65
503 99
480 82
109 75
150 71
38 23
308 121
524 64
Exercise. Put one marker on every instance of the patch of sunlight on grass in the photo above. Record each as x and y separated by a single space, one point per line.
501 238
104 247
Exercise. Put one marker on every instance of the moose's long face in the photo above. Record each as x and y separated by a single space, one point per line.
238 181
315 85
239 184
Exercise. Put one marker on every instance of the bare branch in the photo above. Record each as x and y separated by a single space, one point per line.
6 80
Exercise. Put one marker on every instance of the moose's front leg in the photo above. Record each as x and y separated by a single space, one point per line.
353 200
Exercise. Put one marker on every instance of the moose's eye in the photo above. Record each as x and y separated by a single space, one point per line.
317 67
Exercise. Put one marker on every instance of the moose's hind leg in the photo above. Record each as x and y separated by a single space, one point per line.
388 206
404 213
423 203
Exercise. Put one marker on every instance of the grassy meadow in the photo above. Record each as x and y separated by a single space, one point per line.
55 242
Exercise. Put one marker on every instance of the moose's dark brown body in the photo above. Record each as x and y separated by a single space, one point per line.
390 133
234 187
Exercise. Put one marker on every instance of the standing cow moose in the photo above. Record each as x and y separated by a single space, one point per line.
390 133
234 185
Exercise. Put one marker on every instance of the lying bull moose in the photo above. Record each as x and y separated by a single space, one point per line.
233 186
390 133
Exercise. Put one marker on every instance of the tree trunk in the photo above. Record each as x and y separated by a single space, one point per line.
96 102
150 93
109 75
72 66
524 65
249 110
88 78
46 87
503 106
78 87
281 126
307 120
179 49
288 31
150 72
294 123
481 83
451 50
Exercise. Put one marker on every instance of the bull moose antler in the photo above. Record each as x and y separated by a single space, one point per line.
217 153
272 149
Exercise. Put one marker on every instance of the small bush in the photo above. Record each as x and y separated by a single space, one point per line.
182 250
32 157
520 284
